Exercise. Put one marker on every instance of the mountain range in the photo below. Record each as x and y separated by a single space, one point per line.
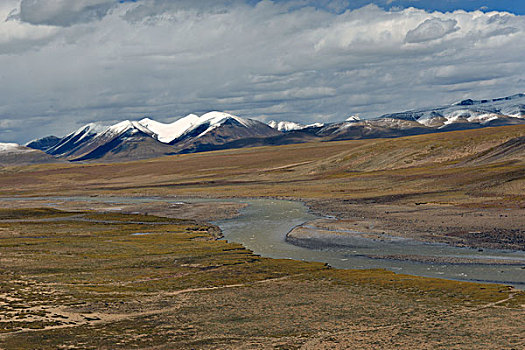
147 138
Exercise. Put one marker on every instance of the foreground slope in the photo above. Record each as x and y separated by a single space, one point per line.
512 150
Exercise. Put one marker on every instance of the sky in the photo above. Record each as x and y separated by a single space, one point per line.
67 63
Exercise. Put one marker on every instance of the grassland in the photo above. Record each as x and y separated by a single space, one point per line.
427 166
82 280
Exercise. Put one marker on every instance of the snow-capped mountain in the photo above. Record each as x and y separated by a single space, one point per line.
120 141
353 118
15 154
195 127
214 120
469 113
466 114
148 138
215 129
286 126
74 141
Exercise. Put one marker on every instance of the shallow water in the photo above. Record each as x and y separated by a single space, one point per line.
264 223
263 226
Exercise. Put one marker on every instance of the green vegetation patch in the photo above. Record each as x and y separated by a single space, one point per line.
33 213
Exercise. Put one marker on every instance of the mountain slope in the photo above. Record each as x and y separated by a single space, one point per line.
74 141
512 150
469 113
44 143
215 129
367 129
126 140
14 154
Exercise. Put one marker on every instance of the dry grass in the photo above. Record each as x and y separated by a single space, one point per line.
85 281
400 168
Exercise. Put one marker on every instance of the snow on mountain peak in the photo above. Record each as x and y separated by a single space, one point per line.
480 112
91 128
126 126
353 118
88 130
169 132
217 118
315 125
285 125
13 148
120 127
8 147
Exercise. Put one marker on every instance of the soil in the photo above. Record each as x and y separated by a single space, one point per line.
430 222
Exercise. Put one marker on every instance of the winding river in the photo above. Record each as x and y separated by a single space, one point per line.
263 224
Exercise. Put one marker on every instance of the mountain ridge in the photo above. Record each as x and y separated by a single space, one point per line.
146 138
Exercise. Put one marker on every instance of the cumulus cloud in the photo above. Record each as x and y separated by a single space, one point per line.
431 29
264 59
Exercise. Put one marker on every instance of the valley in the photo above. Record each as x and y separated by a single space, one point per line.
140 280
111 280
262 174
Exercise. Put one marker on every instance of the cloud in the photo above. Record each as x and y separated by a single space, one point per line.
431 29
259 59
63 12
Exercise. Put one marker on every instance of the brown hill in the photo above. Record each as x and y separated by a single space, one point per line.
512 150
24 156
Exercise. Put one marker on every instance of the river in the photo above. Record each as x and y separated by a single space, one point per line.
263 224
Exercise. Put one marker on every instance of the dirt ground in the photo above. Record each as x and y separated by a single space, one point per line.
501 228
